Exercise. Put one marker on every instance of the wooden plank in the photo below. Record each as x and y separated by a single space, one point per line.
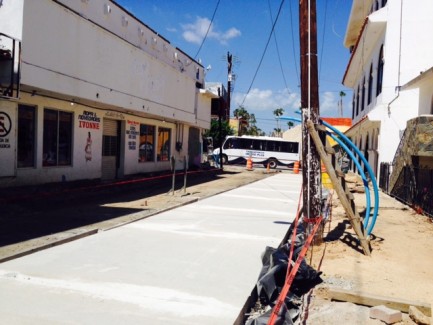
352 215
320 127
365 299
349 194
329 150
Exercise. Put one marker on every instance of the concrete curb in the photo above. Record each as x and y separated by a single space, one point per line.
55 243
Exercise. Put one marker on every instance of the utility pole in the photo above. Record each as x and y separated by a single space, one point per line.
229 83
311 176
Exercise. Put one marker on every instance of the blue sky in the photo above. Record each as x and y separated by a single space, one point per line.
242 28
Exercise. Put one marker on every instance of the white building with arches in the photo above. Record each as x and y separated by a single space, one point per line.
389 71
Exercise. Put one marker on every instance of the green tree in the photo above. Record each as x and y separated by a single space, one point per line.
244 119
278 112
277 132
290 124
214 132
252 128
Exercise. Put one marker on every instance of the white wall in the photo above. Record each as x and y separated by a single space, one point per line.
64 53
408 50
8 26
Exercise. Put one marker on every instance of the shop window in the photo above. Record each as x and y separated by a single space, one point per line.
57 147
147 143
26 136
164 140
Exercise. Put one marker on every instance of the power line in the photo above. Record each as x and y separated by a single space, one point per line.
293 42
278 50
208 29
264 52
323 38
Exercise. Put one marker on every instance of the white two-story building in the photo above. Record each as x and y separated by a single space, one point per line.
89 91
390 42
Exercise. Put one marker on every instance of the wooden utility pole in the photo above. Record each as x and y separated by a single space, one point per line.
311 176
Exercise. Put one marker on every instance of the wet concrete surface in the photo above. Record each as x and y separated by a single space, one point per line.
37 217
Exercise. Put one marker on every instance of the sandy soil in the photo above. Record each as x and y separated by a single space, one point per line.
400 266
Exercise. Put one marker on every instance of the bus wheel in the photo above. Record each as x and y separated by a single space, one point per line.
225 159
272 163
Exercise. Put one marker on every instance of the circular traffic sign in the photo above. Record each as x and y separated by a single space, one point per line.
5 124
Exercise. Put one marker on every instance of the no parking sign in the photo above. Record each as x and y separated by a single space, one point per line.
5 124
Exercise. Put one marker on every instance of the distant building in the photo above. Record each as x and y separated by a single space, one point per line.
340 123
219 101
390 72
89 91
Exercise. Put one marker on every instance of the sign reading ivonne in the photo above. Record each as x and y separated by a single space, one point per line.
89 120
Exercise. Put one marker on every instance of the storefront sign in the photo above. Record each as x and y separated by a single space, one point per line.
89 120
132 133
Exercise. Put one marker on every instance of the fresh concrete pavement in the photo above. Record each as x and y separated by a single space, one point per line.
195 264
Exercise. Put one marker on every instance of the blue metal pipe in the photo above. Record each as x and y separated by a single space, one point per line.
364 178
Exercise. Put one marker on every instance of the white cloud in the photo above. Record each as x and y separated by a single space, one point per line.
262 100
171 29
328 104
195 32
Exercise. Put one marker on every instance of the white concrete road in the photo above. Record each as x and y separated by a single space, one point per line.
195 264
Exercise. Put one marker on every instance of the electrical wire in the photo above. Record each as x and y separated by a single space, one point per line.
278 50
208 29
264 52
323 37
293 43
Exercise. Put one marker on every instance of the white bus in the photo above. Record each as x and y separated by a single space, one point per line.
264 150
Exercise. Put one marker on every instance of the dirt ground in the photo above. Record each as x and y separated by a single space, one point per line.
400 266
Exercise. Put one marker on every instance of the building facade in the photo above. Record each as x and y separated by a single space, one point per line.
390 46
89 91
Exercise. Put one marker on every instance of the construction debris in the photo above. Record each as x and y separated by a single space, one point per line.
385 314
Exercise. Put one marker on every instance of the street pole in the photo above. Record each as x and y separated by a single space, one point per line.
229 83
312 191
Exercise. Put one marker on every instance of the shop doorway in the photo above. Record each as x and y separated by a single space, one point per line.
110 149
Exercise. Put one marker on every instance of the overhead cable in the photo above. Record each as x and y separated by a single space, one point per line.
278 50
208 29
264 52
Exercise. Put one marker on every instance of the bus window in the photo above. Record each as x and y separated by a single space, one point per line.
227 144
245 143
270 146
257 144
285 147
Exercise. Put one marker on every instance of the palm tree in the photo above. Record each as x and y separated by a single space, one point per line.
340 103
244 118
290 124
277 132
278 112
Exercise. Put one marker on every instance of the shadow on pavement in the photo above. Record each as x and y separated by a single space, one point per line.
35 211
